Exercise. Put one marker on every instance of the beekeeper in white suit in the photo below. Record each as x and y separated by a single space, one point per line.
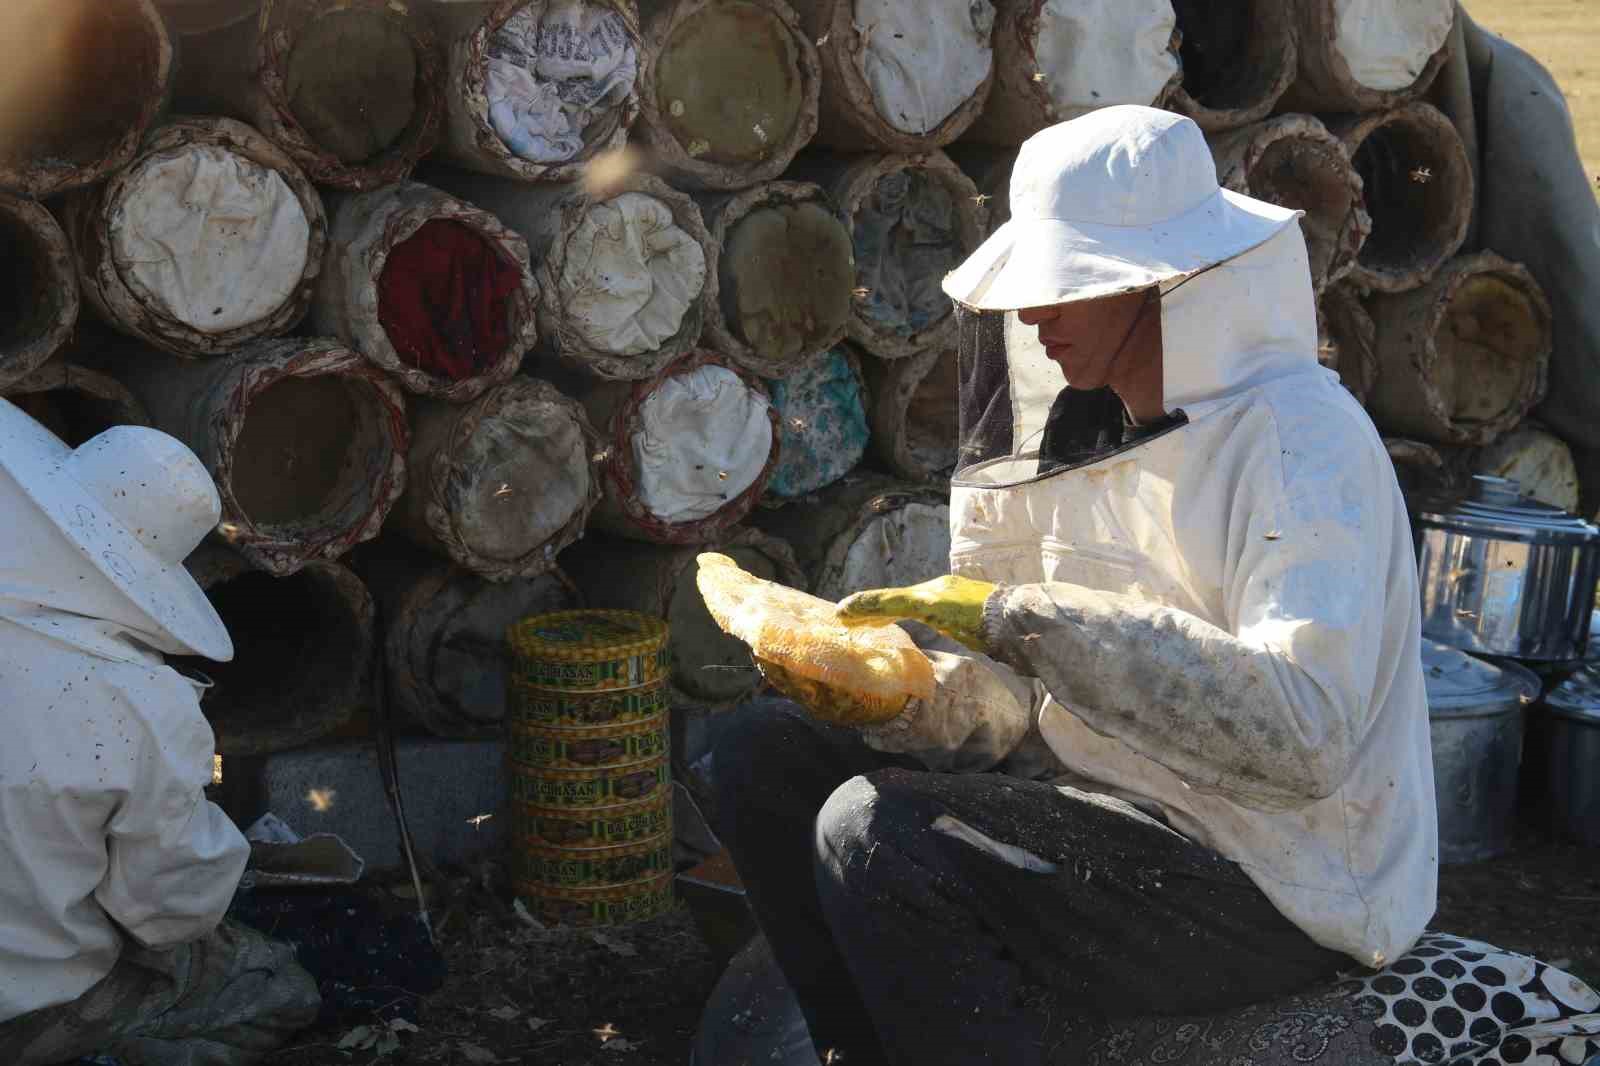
1184 626
115 871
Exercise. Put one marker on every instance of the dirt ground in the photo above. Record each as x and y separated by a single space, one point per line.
1564 35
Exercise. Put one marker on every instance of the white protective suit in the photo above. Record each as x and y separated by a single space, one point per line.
103 823
1223 617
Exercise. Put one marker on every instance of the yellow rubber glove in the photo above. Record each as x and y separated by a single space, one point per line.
952 605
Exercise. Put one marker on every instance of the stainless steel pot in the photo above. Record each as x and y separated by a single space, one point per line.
1563 760
1505 575
1475 711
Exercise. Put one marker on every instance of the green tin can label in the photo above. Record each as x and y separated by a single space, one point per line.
544 709
568 789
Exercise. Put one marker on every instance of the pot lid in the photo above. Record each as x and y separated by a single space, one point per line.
1578 696
1495 505
1461 686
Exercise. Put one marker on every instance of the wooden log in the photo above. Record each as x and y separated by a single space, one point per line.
537 88
625 265
914 408
82 89
444 644
710 670
306 440
1295 162
1056 61
822 419
899 77
1357 57
39 299
1417 184
686 454
990 170
913 219
189 18
303 648
727 90
258 218
785 268
74 402
501 484
1348 340
1537 460
353 90
437 334
1420 468
866 532
1238 60
1462 359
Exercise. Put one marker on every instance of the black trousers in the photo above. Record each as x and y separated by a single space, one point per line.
908 942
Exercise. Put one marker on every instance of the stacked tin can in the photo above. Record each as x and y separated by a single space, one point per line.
591 796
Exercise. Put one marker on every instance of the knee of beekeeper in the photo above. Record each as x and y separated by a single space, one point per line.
877 810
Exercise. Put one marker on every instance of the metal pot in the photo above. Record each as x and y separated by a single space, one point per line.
1475 718
1564 756
1505 575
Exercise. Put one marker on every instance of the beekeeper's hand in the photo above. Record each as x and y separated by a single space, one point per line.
827 703
952 605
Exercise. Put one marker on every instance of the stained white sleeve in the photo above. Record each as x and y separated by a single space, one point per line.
174 857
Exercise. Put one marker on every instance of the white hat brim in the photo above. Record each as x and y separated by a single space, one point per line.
1040 262
164 592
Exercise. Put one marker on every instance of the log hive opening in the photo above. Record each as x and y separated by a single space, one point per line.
865 533
303 653
93 77
299 451
537 87
931 434
1056 61
245 210
913 220
1348 341
1238 59
687 454
75 403
504 483
1465 357
39 300
1417 184
434 290
785 271
1295 162
728 90
1368 55
192 17
351 81
822 416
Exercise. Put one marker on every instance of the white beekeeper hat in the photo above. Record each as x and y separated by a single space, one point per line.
1119 200
135 502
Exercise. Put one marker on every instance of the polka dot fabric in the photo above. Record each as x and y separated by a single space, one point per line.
1455 1002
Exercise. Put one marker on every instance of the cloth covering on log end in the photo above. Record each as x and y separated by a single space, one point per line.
1367 55
823 421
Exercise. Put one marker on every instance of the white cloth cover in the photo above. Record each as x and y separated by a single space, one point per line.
548 79
924 60
211 238
704 438
902 547
630 275
1386 43
1224 617
1094 53
106 754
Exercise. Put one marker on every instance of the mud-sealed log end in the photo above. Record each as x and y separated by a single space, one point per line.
521 101
728 90
1418 189
1238 59
303 659
1464 358
82 89
39 300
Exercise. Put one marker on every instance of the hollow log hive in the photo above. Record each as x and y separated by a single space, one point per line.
484 309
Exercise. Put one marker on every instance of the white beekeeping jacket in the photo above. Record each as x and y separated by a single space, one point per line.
1222 616
103 758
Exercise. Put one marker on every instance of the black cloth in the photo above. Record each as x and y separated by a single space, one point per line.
1084 425
906 944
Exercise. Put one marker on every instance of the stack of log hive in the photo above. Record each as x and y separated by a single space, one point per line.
477 310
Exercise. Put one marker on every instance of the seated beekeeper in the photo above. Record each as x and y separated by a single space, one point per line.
1178 758
115 870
